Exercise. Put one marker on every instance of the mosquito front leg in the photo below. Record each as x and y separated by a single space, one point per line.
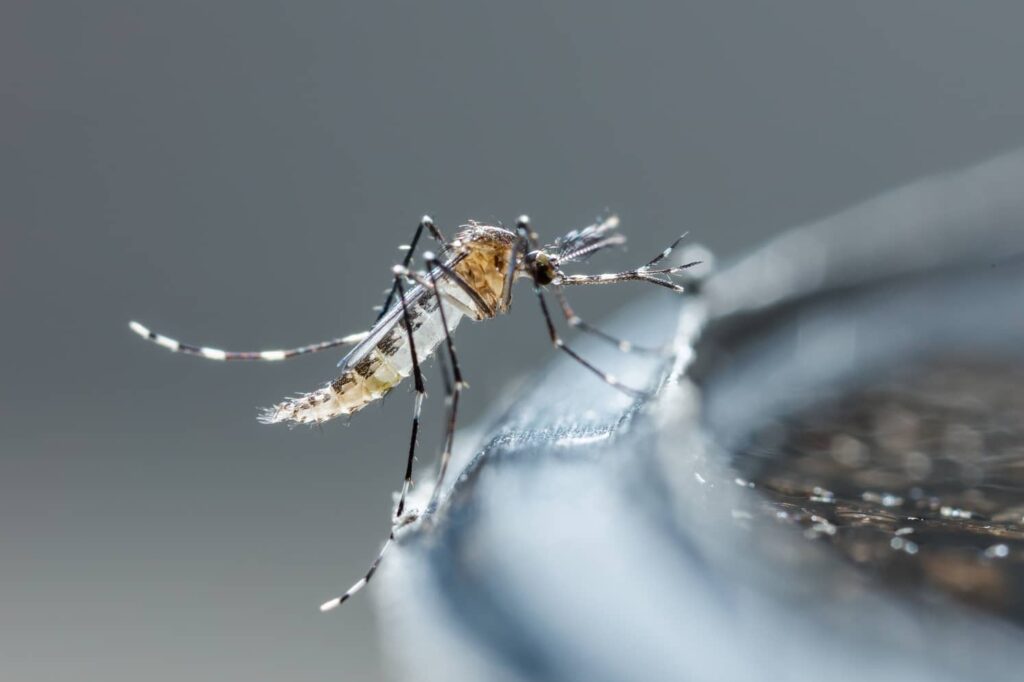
575 322
176 346
558 343
524 234
645 273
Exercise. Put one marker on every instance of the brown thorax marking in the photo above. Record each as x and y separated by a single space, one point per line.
487 253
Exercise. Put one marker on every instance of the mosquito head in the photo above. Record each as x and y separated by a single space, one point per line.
543 267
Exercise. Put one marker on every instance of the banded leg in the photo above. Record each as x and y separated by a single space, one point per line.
332 604
176 346
528 237
426 223
645 273
558 343
453 387
456 386
575 322
420 391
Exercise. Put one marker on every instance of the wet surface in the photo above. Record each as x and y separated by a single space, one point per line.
917 477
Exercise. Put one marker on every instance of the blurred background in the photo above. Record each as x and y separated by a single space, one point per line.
239 174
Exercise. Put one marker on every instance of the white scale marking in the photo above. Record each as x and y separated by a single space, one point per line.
167 342
159 339
330 605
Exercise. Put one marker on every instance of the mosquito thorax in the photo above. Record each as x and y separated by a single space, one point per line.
543 268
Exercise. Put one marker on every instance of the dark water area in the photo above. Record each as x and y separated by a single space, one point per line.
917 477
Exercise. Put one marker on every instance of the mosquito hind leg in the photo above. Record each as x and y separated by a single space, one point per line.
332 604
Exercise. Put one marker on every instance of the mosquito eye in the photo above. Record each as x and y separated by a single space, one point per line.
540 266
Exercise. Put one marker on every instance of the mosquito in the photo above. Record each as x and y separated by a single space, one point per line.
471 276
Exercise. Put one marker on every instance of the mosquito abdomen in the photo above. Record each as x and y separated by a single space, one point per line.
370 375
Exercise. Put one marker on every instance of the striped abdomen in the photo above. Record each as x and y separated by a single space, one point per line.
377 365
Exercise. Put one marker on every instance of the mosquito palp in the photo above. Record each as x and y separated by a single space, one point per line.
472 276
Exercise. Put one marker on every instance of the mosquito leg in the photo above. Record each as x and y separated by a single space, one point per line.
420 392
645 273
630 276
575 322
400 519
453 387
442 365
332 604
560 345
528 238
176 346
426 223
524 235
449 439
667 252
456 386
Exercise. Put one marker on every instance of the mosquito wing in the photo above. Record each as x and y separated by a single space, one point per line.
418 299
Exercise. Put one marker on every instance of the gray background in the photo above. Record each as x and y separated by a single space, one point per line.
239 174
